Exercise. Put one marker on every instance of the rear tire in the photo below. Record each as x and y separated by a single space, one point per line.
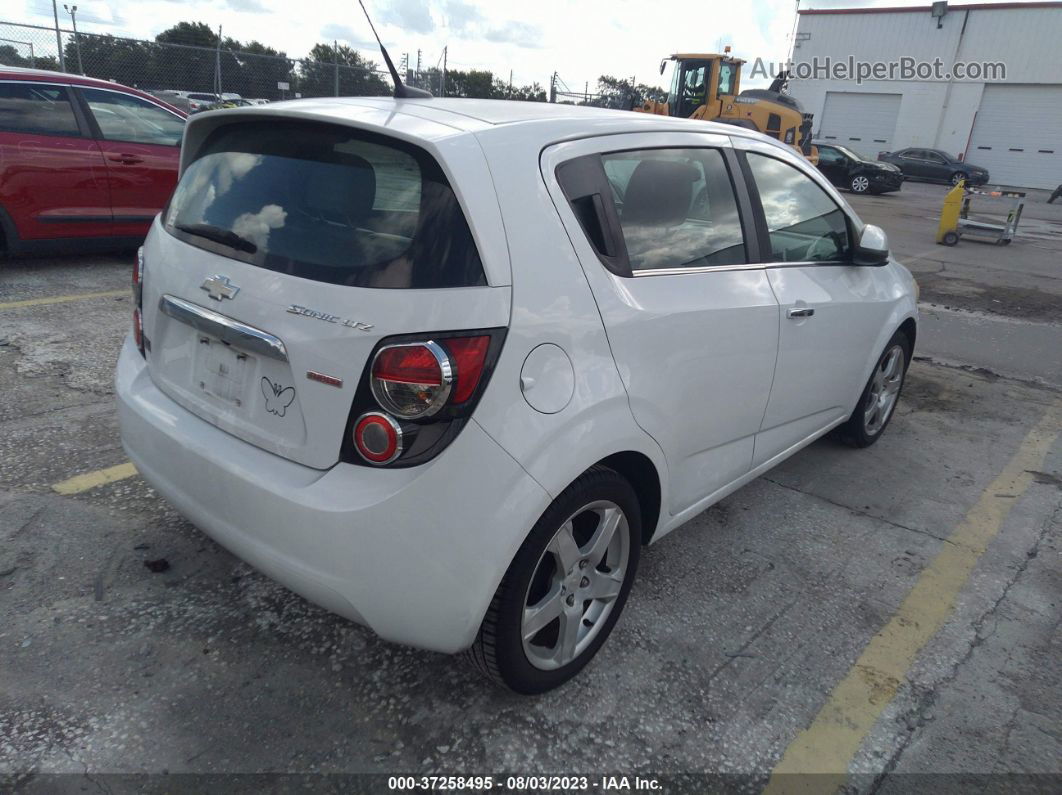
523 644
877 402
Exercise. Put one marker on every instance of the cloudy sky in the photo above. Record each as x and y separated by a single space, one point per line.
580 39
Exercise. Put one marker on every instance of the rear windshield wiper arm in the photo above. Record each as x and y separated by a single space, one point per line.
224 236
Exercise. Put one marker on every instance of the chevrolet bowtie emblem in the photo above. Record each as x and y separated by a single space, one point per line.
219 287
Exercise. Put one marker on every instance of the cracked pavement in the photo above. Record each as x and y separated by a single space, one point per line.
738 627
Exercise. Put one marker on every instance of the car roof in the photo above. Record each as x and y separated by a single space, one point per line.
448 116
46 76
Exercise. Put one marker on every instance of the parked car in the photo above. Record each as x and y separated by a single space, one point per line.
445 366
934 165
83 162
846 168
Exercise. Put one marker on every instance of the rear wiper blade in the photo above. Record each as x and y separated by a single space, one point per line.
224 236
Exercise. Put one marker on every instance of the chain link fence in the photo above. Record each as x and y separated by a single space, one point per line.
165 67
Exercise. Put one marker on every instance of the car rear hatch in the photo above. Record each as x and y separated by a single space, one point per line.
289 251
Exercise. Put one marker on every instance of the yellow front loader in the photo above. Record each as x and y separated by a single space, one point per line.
707 85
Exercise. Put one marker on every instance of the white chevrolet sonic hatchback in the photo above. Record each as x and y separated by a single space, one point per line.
445 366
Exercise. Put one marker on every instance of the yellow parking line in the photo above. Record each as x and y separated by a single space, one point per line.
829 744
91 480
62 299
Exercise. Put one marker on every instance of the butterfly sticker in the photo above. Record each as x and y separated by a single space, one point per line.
277 398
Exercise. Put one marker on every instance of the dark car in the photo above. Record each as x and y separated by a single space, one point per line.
84 163
935 165
848 169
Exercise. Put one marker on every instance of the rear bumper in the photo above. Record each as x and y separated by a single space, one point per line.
415 554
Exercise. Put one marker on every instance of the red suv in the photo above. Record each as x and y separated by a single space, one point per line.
84 163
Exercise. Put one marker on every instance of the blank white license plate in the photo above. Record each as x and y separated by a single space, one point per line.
221 370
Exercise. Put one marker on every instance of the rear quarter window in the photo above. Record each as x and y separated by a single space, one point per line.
326 203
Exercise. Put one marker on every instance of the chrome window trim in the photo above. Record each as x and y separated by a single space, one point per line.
224 328
98 88
745 266
750 266
128 94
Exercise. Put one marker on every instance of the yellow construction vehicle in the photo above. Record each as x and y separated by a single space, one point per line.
706 86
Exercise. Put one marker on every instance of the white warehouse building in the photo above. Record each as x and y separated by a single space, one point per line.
1010 126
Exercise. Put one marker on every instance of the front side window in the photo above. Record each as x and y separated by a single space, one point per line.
804 223
123 117
37 109
327 203
726 78
676 208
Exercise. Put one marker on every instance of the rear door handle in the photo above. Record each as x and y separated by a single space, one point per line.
802 312
129 160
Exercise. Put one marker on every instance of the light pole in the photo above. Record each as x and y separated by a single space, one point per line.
77 42
58 38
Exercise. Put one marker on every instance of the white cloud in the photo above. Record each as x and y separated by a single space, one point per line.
579 40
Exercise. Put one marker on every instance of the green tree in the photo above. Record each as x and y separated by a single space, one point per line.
261 68
9 56
614 92
188 64
358 76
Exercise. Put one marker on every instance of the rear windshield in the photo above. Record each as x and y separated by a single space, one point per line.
326 203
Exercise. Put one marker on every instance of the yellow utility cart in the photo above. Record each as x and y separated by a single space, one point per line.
956 222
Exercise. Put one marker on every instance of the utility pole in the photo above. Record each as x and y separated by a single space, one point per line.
553 87
58 37
77 42
417 81
510 84
442 79
335 64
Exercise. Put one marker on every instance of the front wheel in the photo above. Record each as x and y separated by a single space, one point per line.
859 184
957 177
565 588
878 400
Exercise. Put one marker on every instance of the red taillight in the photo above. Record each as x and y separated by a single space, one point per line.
138 329
138 300
470 355
138 267
377 438
412 380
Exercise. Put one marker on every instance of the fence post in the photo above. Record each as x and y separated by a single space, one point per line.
217 66
58 37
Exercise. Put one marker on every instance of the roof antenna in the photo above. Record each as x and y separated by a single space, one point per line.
402 91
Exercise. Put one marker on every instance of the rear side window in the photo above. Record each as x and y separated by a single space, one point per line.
804 223
36 108
326 203
123 117
676 208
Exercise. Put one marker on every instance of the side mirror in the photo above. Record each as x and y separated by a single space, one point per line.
873 248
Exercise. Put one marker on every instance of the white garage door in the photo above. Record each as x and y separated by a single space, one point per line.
861 121
1017 135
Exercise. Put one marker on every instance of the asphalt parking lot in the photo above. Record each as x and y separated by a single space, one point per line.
890 611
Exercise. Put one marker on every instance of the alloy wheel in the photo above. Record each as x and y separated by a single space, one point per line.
860 184
884 389
575 585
